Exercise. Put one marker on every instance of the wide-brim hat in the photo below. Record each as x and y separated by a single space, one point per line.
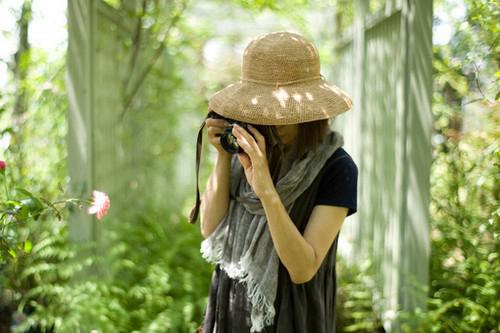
280 84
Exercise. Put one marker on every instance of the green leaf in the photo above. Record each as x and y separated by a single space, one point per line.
27 246
22 213
24 191
13 203
12 253
7 130
30 203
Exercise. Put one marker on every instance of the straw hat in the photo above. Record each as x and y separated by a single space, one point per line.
280 84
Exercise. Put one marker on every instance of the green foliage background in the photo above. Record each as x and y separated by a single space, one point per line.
157 281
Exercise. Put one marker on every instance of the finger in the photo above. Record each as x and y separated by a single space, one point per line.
244 160
216 122
211 121
244 143
215 140
216 125
215 131
261 141
253 147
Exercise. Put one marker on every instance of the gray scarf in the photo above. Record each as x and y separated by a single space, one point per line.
242 245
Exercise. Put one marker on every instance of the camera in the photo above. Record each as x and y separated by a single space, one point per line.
227 139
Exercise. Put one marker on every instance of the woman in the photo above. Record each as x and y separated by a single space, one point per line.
271 214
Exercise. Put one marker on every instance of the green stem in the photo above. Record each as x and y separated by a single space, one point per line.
77 200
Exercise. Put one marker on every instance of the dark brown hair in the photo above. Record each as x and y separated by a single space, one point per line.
311 135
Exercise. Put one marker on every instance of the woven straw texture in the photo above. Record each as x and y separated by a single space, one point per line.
280 84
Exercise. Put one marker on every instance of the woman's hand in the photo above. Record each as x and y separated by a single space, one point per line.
215 127
254 160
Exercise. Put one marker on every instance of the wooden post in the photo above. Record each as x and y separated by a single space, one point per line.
386 65
80 87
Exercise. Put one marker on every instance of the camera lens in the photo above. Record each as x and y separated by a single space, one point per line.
229 142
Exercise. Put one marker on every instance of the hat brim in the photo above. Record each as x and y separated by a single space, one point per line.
260 104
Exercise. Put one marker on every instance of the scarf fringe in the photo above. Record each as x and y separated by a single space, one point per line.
263 311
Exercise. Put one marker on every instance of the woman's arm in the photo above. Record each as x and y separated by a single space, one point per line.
302 255
215 200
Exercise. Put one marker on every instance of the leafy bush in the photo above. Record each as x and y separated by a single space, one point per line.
155 281
355 300
465 210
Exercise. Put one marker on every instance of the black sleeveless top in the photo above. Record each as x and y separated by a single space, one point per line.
300 308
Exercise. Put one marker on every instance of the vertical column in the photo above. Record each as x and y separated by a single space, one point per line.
415 237
79 83
358 52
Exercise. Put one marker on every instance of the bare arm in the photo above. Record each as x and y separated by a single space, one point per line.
302 255
215 200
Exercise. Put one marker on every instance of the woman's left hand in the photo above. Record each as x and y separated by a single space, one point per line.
254 160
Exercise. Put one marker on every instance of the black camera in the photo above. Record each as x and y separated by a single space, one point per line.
227 139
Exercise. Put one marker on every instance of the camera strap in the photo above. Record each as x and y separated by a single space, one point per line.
193 216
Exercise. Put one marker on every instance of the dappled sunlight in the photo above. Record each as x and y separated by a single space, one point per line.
266 111
297 97
324 111
333 88
282 96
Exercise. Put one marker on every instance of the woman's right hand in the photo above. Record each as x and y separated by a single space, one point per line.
215 127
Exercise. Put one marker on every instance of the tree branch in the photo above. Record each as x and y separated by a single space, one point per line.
476 78
153 60
136 43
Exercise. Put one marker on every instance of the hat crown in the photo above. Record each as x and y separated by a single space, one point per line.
280 57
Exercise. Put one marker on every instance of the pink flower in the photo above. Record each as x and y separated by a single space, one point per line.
3 165
100 204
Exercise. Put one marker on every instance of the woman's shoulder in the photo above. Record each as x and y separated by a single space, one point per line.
341 159
338 184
